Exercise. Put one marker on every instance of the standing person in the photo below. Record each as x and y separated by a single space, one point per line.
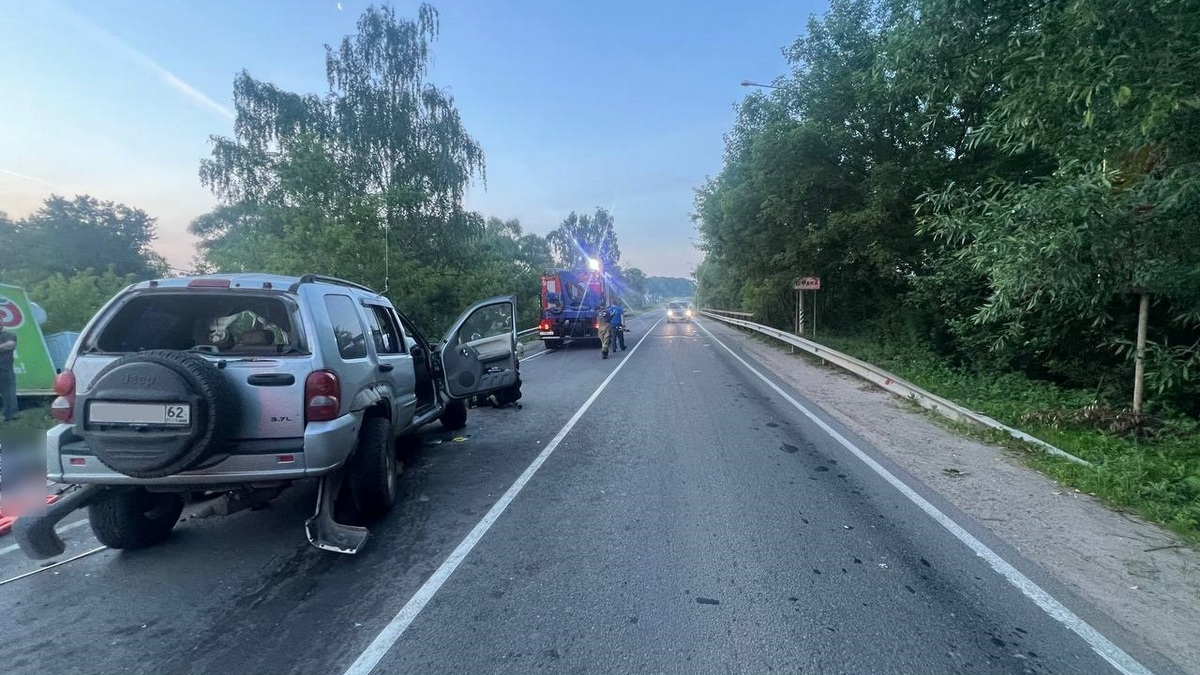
8 376
617 319
604 324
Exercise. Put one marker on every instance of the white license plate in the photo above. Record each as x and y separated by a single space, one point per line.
100 412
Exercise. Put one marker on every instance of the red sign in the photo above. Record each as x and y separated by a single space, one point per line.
10 314
808 284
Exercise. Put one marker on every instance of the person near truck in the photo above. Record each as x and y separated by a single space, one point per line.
617 326
8 375
604 325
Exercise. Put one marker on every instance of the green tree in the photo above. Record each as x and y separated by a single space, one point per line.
820 176
1009 180
506 260
582 237
68 236
364 182
634 286
1068 252
663 288
70 302
381 160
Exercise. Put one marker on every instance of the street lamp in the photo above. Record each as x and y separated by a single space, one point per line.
748 83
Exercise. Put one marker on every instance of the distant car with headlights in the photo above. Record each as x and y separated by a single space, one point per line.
679 311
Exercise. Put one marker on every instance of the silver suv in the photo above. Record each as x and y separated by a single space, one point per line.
238 385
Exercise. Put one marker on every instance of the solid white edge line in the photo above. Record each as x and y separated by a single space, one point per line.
65 528
374 653
1104 647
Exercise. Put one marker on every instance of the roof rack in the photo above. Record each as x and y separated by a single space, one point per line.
320 278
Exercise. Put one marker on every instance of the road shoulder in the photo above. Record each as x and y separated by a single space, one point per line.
1129 569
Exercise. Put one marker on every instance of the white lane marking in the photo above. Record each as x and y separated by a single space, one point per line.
395 628
50 567
64 528
1108 651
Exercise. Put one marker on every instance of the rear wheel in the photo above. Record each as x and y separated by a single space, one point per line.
454 417
135 518
553 345
372 470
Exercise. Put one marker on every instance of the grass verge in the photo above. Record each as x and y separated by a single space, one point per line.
34 417
1157 479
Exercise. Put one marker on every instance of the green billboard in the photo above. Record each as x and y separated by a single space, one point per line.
35 372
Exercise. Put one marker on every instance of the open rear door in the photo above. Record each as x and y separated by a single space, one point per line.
479 353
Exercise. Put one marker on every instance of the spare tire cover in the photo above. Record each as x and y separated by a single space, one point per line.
154 450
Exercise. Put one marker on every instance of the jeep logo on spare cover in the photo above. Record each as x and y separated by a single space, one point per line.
135 380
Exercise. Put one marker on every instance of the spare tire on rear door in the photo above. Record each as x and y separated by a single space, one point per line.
157 413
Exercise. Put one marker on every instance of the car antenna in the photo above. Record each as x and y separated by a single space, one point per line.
387 230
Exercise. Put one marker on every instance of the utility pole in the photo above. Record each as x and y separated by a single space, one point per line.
1139 365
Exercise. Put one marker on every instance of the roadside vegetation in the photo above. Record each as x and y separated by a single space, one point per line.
991 193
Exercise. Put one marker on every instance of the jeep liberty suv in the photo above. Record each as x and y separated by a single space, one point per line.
239 385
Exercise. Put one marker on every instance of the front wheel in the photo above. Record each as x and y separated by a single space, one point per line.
135 518
454 417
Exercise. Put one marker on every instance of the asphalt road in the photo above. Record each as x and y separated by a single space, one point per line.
689 520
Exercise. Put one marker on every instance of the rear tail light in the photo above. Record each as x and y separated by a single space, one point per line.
322 396
63 407
545 325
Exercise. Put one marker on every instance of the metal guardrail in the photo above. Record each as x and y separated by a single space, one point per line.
525 337
896 385
744 315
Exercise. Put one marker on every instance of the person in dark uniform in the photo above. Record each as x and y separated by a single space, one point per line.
617 327
8 376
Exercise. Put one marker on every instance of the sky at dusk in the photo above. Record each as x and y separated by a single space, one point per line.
619 104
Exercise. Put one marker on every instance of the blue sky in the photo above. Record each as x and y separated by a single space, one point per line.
619 104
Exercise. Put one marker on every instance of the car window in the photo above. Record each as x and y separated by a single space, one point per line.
227 324
346 327
385 333
487 321
412 336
